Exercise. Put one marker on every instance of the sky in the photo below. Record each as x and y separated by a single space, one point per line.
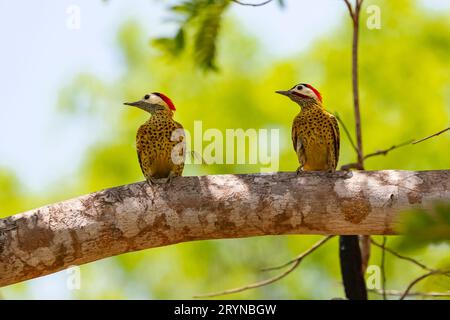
42 53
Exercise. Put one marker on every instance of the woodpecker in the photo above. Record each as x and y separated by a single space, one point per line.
160 141
316 140
315 132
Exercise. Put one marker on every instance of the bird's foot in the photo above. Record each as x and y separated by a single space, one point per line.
155 181
346 174
300 170
161 181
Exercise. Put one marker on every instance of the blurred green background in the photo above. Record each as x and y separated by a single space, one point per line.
405 94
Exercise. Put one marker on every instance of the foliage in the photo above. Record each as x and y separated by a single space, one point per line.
205 17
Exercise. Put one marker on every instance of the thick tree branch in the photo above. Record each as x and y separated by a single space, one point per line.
140 216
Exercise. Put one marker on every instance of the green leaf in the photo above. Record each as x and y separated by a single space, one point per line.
207 34
203 17
171 46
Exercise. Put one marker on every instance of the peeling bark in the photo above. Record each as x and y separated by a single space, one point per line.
140 216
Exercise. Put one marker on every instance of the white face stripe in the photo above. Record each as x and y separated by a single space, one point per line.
155 99
305 91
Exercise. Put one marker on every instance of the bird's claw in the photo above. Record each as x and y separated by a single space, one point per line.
154 181
160 181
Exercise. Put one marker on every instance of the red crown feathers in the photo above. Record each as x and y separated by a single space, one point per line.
319 96
166 100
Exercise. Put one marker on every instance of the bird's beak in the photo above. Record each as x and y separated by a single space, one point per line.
284 92
138 104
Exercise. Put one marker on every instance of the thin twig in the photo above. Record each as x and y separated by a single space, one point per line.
356 109
433 135
349 7
410 294
347 133
354 15
411 141
383 267
295 264
353 165
412 260
301 256
252 4
417 280
385 151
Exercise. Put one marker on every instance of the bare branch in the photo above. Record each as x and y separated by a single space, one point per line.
355 80
383 266
417 280
433 135
410 294
385 152
266 282
347 133
252 4
350 9
301 256
411 141
398 255
353 165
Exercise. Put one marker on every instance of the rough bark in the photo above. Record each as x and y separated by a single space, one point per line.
140 216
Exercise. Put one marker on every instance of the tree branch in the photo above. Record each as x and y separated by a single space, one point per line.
347 133
350 9
386 151
301 256
350 252
431 136
402 257
252 4
417 280
383 266
295 263
355 78
139 216
411 294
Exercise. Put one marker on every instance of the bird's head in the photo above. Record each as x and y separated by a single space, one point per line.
303 94
152 102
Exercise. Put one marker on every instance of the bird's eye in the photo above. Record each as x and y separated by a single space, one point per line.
299 87
147 96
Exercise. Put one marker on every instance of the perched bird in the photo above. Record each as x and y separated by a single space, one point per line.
315 132
316 140
160 142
